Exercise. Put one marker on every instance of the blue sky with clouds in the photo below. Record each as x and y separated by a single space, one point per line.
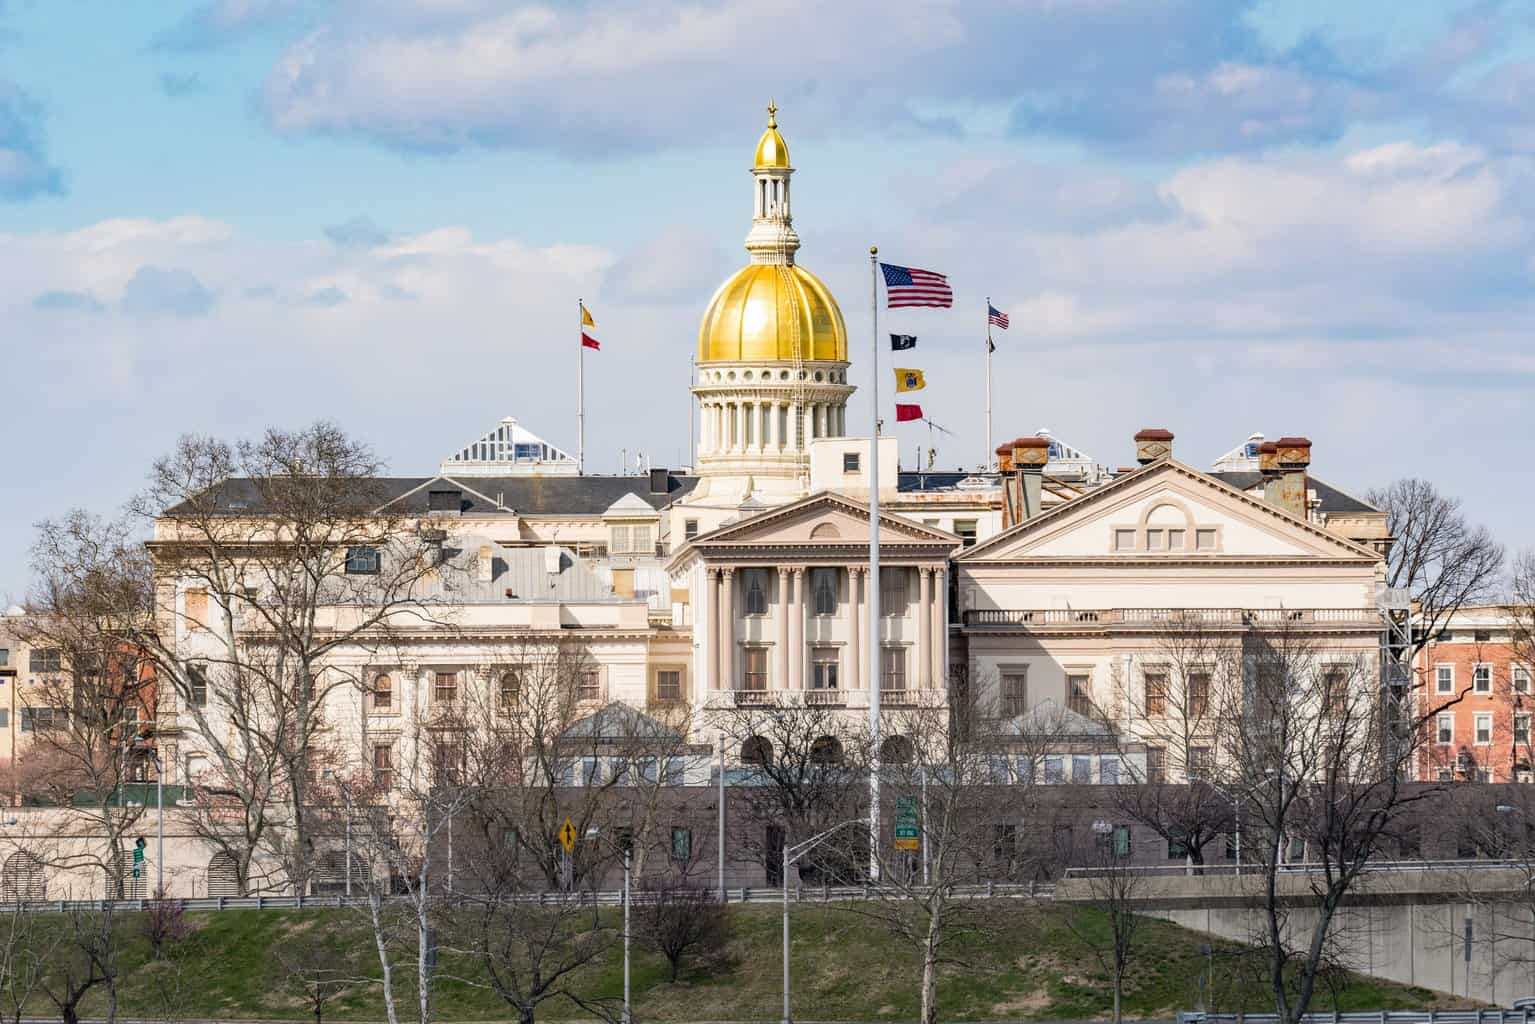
1288 216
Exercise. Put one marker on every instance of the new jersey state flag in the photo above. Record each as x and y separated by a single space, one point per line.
909 380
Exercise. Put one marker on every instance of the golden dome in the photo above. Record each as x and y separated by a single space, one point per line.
772 151
754 315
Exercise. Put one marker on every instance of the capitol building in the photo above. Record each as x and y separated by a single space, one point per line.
742 582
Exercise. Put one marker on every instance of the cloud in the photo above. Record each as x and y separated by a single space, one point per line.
679 262
67 301
155 291
178 86
25 170
325 298
220 22
360 231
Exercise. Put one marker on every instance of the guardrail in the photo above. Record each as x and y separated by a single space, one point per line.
1496 1015
603 897
1251 868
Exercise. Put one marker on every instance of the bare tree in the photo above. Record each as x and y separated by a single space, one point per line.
85 960
28 946
96 689
317 969
680 920
1440 558
165 923
1306 753
269 557
1112 888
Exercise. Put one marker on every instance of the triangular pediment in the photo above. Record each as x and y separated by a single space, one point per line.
1166 510
826 519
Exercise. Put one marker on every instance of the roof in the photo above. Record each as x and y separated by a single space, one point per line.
517 574
523 495
909 481
619 721
1329 498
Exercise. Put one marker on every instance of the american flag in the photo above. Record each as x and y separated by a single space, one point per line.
908 286
996 316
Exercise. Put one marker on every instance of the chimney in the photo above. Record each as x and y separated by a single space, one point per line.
1005 458
1283 465
659 479
1021 485
485 567
1153 445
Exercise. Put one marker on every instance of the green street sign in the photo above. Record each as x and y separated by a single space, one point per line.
135 872
138 855
908 828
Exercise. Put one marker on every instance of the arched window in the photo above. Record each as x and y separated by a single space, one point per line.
826 750
896 750
824 587
756 750
825 531
22 878
223 875
383 692
756 591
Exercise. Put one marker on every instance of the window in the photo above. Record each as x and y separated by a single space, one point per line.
45 660
849 462
197 685
1081 769
1483 722
383 693
1015 694
1124 540
194 609
892 676
1335 692
509 692
5 656
669 685
1518 675
618 539
689 529
589 684
41 719
1444 678
383 766
823 586
1481 678
1199 694
1078 695
1156 695
1204 540
629 540
1177 847
754 661
1444 729
1004 842
362 561
1482 636
1108 769
445 688
682 845
1201 763
756 583
1121 840
447 763
892 592
1522 728
965 530
1156 761
823 668
1054 771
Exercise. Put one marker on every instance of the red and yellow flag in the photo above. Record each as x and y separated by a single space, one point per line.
588 328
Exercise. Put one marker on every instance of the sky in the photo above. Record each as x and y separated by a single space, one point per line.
1215 216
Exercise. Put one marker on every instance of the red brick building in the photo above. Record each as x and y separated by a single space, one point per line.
1475 691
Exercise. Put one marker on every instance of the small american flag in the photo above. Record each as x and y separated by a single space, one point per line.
996 316
908 286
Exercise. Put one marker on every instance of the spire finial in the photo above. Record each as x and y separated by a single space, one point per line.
772 113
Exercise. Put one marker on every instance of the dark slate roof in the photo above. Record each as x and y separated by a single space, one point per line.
525 495
938 480
1330 498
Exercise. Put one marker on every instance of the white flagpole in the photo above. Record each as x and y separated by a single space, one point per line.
873 586
580 388
990 451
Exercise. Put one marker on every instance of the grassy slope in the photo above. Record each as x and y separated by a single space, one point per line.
1029 965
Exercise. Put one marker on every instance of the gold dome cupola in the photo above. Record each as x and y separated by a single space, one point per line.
772 354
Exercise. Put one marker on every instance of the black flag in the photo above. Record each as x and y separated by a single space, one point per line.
901 342
989 346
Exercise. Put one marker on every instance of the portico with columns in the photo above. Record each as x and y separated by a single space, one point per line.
786 599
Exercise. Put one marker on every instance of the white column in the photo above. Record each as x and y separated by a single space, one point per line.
856 602
925 629
865 660
770 434
712 627
940 630
785 604
797 606
737 425
727 629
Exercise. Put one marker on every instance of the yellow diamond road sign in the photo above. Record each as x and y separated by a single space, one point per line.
568 835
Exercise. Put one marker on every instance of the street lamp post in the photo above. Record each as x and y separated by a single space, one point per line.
159 819
628 852
791 854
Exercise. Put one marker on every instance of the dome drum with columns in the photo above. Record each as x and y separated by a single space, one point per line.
772 354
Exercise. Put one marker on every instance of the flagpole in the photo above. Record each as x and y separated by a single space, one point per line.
990 452
873 584
580 388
